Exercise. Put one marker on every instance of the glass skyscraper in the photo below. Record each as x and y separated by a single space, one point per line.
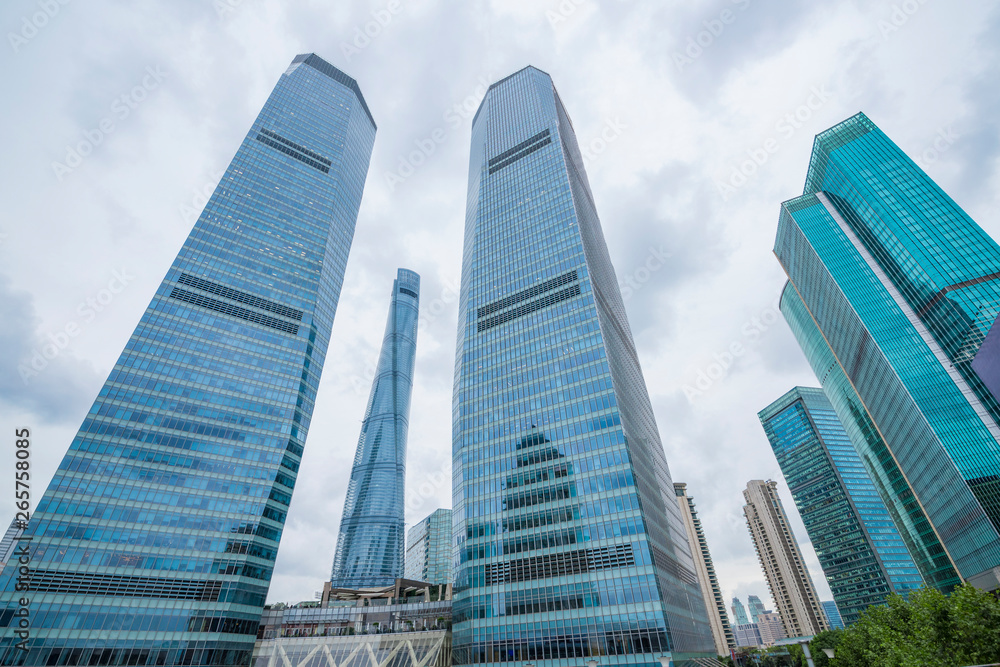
569 540
740 612
428 549
155 541
372 538
861 552
756 607
892 288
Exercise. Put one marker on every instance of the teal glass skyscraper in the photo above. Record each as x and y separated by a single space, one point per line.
428 549
740 612
892 288
861 552
372 538
569 540
155 541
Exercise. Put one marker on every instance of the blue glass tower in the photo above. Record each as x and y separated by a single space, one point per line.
892 288
832 615
155 541
372 538
861 552
740 612
569 540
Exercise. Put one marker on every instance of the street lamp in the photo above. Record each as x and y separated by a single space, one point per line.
666 661
829 652
804 643
591 663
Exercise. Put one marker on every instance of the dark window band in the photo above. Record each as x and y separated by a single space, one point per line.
527 308
238 296
560 564
524 144
293 150
526 152
526 294
234 311
408 292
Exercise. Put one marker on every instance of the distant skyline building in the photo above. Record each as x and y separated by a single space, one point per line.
862 554
715 604
155 541
739 613
428 549
372 541
833 616
755 607
892 290
569 539
770 626
748 634
792 588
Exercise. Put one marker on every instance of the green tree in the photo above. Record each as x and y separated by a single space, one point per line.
928 628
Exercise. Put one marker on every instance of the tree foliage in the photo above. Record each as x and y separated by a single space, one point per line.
927 628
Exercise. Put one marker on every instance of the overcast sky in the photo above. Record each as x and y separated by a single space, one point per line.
670 100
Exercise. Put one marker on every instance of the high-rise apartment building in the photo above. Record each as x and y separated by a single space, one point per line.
755 606
833 617
739 613
371 543
428 549
862 554
156 539
711 593
569 539
892 289
770 627
792 588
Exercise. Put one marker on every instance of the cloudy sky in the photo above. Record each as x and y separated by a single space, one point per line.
673 101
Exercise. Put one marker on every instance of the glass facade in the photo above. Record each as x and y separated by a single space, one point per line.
861 552
740 613
428 549
568 538
756 607
155 541
895 288
833 615
372 536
